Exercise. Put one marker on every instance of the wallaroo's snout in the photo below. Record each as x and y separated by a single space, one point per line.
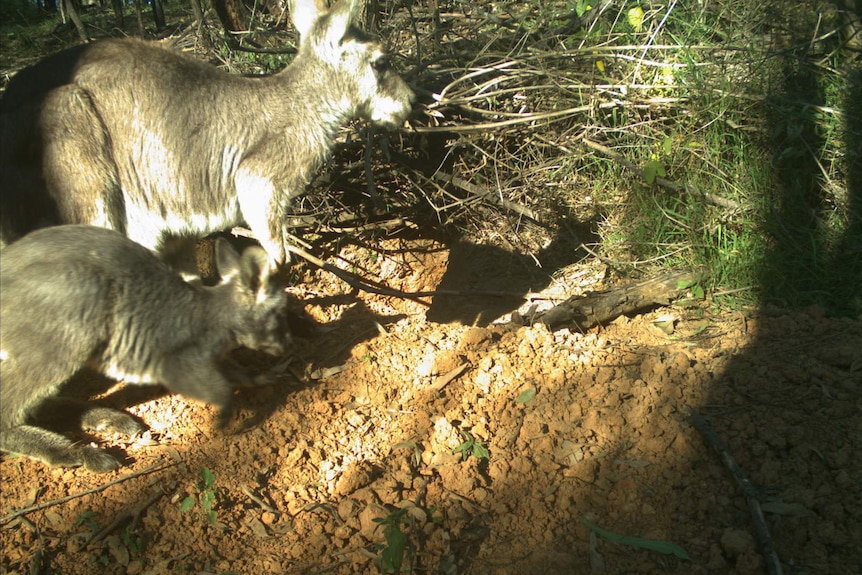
273 334
393 102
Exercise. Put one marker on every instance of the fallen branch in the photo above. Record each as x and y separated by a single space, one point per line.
761 531
601 307
152 469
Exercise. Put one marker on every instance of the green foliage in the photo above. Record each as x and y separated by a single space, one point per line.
635 18
135 542
526 396
86 518
651 544
471 447
757 148
695 288
397 544
207 496
582 7
652 169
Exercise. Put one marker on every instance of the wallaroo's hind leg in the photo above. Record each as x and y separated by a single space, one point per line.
73 414
54 449
78 163
24 203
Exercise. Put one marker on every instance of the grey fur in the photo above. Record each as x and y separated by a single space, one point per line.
133 136
80 296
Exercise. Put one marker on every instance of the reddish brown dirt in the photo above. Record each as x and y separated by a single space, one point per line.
370 432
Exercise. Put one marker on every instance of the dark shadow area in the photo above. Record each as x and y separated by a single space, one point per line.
491 281
816 224
786 405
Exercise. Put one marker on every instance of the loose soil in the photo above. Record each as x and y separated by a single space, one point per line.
363 427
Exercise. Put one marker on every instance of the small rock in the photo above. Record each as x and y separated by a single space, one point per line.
356 476
371 529
735 542
267 517
476 336
417 514
347 509
257 528
716 559
343 532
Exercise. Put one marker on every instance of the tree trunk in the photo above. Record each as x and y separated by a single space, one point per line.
159 14
69 6
232 14
118 13
198 11
138 14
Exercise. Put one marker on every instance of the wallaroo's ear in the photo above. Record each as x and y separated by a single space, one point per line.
340 16
255 269
303 14
227 260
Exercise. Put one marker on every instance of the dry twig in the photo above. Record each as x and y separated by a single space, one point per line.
371 286
263 504
151 469
449 377
133 514
761 531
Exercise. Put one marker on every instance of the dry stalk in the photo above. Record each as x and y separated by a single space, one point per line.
151 469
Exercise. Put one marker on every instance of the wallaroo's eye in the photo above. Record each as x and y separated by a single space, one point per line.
381 64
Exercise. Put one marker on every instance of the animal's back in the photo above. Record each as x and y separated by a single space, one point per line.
115 58
69 293
76 254
46 334
29 85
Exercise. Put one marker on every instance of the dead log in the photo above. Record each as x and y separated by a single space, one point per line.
598 308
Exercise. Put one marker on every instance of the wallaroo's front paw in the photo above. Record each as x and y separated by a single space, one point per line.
98 461
260 380
107 420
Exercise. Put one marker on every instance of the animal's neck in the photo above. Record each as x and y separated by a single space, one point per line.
209 307
313 104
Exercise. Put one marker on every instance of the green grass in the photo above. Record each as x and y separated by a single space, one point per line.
774 132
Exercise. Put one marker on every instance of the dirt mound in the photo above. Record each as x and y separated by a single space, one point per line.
480 447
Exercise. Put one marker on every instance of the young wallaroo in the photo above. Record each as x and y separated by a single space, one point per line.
80 296
133 136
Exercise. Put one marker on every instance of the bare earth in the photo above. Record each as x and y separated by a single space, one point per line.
389 388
